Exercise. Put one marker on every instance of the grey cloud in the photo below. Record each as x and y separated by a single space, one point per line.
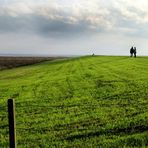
57 21
51 20
10 24
43 26
51 27
127 25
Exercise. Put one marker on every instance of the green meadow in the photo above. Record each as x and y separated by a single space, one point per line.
99 101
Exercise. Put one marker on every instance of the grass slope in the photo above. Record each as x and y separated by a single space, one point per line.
82 102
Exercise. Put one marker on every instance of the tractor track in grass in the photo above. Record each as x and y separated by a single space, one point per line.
95 101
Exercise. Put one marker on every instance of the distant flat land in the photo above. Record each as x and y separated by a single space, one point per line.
10 62
99 101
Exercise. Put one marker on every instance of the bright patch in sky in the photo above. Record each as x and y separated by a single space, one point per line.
73 27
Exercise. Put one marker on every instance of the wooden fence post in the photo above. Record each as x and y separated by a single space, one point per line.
11 118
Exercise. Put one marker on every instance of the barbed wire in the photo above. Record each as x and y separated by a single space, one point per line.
49 129
64 106
2 107
17 104
4 126
3 116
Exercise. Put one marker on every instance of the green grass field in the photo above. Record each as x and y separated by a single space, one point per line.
81 102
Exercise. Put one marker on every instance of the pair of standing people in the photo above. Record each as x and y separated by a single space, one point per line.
133 51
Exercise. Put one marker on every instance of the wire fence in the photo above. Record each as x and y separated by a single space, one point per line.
21 112
29 112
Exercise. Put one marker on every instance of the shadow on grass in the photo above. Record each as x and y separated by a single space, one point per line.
116 131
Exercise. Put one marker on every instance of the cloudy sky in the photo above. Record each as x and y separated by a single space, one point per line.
73 27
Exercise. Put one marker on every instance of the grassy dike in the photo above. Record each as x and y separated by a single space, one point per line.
96 101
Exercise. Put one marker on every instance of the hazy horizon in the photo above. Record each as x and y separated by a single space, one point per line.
76 27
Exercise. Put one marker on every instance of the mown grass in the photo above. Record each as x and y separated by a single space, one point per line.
81 102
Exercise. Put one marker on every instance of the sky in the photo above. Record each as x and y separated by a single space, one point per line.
73 27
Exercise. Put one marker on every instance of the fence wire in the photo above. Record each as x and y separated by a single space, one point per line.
66 127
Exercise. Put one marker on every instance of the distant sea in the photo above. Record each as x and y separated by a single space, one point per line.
35 55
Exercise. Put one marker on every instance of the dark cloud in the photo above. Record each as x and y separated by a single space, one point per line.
60 28
43 26
15 24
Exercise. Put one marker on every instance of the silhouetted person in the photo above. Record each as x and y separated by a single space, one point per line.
132 51
135 52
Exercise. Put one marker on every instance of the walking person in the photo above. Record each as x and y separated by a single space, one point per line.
131 51
134 51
